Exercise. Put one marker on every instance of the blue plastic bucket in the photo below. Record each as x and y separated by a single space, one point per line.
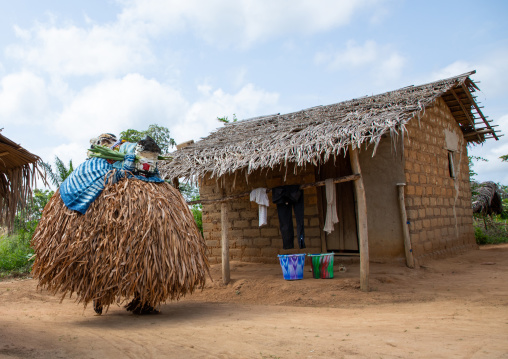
292 265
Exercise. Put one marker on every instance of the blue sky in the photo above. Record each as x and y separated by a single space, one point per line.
71 70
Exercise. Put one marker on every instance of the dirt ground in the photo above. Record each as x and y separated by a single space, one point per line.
450 308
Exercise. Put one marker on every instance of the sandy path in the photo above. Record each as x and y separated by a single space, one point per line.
454 308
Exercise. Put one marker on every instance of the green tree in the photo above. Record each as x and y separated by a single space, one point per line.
472 173
159 134
60 174
504 158
27 218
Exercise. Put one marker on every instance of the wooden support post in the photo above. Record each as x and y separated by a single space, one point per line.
361 215
225 241
410 262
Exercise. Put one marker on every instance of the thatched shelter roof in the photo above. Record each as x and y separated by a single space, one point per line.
487 198
314 135
17 176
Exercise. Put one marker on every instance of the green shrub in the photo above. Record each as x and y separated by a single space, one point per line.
198 216
15 254
490 230
15 250
481 238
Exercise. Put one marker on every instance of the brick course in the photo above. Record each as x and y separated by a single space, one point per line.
249 242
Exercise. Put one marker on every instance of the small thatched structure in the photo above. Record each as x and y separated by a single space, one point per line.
137 239
18 169
487 199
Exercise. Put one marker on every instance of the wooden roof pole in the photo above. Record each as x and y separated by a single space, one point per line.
468 94
226 277
361 215
465 111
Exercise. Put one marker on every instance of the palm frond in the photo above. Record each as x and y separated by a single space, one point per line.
52 175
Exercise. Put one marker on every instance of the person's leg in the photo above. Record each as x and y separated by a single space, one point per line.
136 307
97 306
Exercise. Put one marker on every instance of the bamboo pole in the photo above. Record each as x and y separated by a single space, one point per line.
410 262
225 239
361 215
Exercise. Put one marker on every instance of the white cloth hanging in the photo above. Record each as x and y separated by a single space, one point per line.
259 196
331 206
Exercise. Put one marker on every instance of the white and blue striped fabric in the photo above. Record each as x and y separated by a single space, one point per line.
87 181
84 184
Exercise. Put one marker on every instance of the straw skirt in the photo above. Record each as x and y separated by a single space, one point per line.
137 239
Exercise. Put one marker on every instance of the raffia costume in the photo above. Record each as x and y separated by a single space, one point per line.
137 239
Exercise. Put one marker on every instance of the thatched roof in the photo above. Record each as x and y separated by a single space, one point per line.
17 176
314 135
487 198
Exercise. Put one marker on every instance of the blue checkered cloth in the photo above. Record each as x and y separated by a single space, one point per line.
87 181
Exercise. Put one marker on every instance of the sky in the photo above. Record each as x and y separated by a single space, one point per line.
71 70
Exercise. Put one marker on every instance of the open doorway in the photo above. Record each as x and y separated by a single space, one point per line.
344 238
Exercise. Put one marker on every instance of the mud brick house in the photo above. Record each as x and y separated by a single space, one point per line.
398 160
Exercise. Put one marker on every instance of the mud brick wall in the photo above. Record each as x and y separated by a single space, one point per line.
247 241
438 206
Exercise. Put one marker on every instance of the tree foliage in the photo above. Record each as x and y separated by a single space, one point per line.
60 174
504 158
27 218
158 133
471 159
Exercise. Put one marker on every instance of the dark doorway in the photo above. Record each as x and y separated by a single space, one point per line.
344 238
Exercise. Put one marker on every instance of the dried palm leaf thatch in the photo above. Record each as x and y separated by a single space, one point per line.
487 199
137 239
18 171
310 136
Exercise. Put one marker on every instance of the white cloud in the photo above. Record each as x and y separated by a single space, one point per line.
353 56
391 67
381 61
71 50
75 152
201 118
241 22
119 104
23 98
454 69
491 70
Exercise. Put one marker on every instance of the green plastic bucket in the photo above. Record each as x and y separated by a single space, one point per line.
321 265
